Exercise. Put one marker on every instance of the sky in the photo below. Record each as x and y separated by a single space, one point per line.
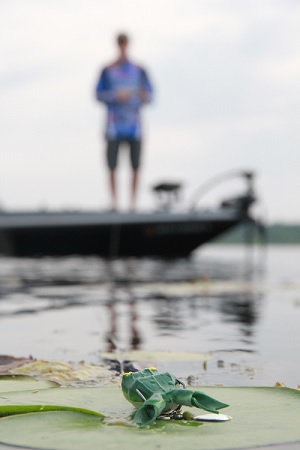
227 98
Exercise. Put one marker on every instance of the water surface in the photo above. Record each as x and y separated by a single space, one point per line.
239 308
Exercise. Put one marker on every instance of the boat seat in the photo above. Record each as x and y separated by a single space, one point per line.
167 194
167 187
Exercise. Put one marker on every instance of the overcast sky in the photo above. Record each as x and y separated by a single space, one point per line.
226 76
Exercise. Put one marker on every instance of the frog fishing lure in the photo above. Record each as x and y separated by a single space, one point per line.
154 393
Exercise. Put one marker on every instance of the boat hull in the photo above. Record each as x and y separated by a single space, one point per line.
112 235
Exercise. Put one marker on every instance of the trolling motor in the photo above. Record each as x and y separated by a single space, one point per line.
242 202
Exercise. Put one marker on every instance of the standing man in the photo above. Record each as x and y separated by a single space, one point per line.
124 87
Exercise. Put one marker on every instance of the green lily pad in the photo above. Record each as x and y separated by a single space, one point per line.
10 383
60 399
261 416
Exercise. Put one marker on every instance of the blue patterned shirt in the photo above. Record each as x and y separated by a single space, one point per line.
123 118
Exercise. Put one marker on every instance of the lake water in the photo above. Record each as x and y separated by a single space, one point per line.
237 307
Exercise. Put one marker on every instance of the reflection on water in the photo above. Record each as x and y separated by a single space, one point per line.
221 303
134 334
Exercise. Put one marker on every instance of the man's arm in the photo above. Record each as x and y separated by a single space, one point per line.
146 94
104 92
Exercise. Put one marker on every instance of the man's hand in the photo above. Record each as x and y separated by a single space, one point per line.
124 95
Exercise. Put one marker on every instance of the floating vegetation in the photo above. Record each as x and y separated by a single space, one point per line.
48 416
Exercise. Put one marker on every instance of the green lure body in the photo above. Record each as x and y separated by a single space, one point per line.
154 393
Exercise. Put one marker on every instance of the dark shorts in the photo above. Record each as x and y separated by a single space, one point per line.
113 151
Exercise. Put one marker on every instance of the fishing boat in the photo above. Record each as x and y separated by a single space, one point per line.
163 232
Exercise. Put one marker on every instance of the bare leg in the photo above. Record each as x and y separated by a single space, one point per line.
113 188
134 188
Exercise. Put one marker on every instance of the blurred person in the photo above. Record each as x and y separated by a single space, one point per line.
124 87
